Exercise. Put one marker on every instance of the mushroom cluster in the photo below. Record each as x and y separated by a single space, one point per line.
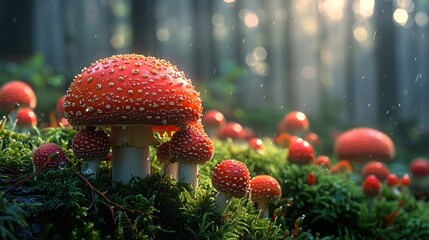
131 94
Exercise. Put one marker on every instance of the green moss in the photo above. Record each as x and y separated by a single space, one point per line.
60 204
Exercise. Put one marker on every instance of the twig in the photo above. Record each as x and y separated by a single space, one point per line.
102 195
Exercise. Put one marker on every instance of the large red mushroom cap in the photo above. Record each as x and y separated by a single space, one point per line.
131 89
265 189
300 151
90 144
232 177
26 118
17 92
49 156
363 144
377 169
419 167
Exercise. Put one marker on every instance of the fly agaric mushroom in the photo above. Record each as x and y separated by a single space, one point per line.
231 178
371 186
419 167
26 120
213 120
323 161
256 144
300 152
164 156
190 146
17 92
90 145
392 180
377 169
42 159
131 93
264 190
232 130
364 144
295 123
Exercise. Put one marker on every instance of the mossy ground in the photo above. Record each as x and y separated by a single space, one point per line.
60 204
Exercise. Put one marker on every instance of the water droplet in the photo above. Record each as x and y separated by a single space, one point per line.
369 104
95 36
261 85
281 107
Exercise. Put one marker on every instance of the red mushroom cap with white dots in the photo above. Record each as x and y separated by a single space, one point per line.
264 188
131 89
231 176
91 144
49 156
163 152
232 130
300 151
191 145
17 92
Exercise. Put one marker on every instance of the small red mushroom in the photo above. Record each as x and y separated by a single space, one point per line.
232 130
17 92
392 180
190 146
131 93
264 190
26 120
364 144
371 186
375 168
323 161
231 178
419 167
91 145
49 156
405 181
213 120
295 123
311 179
256 144
164 156
300 152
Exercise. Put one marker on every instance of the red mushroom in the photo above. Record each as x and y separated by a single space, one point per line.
371 186
264 190
405 181
231 178
49 156
213 120
164 156
419 167
190 146
323 161
256 144
91 145
17 92
131 93
26 120
232 130
300 152
392 180
295 123
364 144
377 169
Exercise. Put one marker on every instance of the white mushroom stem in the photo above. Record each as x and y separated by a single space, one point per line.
223 200
188 173
89 168
130 152
170 169
263 209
